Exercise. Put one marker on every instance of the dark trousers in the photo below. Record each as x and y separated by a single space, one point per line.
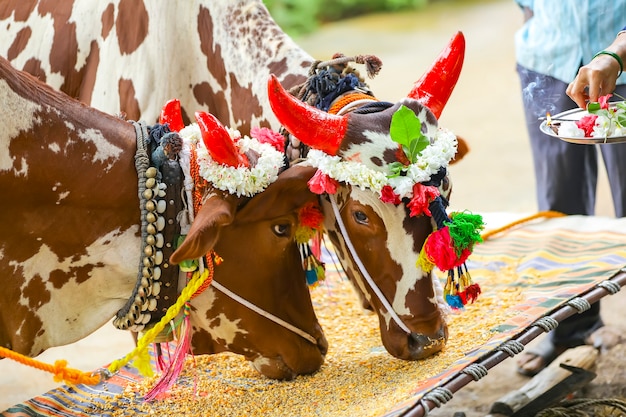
566 177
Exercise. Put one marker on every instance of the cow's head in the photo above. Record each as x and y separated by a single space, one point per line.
255 235
384 178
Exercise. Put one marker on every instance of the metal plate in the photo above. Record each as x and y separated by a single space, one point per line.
573 115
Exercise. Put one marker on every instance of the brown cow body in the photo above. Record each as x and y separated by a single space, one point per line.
70 244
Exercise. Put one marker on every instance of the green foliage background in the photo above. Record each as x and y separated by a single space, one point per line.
298 17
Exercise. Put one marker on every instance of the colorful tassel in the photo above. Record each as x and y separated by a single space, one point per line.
314 269
173 369
449 247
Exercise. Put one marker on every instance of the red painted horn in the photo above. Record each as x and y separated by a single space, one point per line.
218 142
172 115
315 128
433 89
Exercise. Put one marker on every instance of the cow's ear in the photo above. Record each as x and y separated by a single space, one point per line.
284 195
217 211
462 150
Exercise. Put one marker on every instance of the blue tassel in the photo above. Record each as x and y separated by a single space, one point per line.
311 276
454 301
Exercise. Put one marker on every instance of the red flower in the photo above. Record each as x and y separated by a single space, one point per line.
321 183
388 196
587 123
604 101
422 196
265 135
311 216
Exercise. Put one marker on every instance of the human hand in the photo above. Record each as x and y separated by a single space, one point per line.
595 79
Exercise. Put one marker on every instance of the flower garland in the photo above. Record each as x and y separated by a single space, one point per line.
333 170
246 181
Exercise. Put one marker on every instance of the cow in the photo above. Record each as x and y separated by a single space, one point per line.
129 56
384 200
71 241
380 239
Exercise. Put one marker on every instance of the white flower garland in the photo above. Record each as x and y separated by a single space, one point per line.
432 158
246 181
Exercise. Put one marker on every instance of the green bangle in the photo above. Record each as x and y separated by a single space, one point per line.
614 55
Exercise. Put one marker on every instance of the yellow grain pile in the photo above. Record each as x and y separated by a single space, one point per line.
359 378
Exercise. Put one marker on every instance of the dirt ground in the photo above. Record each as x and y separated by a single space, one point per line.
495 179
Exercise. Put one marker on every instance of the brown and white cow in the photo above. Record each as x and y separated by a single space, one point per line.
379 239
131 56
70 239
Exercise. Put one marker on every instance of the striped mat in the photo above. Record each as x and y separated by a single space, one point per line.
550 261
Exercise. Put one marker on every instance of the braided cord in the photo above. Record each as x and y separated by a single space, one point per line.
59 369
438 396
542 214
511 347
140 353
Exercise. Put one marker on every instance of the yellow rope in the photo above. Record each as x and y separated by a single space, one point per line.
59 369
541 214
74 376
140 353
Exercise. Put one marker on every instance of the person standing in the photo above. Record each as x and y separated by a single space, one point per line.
557 38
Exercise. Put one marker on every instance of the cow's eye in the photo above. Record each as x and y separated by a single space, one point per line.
360 217
281 229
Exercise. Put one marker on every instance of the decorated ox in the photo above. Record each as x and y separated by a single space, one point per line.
72 241
382 172
131 56
126 56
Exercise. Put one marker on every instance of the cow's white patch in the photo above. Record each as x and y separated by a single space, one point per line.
220 327
105 149
76 309
54 147
62 196
19 114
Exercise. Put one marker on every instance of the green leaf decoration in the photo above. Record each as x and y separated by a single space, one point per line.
396 169
406 129
593 107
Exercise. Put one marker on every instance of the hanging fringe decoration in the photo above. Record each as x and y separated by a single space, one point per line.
308 236
181 333
173 369
314 269
448 248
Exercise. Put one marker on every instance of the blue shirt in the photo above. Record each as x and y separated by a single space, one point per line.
562 35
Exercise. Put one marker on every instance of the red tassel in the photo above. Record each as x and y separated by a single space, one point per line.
472 292
177 361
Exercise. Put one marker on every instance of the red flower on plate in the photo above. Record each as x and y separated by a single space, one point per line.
604 101
587 123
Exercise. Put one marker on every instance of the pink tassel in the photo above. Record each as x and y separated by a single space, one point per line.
174 368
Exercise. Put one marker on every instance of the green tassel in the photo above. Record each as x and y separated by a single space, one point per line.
465 230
